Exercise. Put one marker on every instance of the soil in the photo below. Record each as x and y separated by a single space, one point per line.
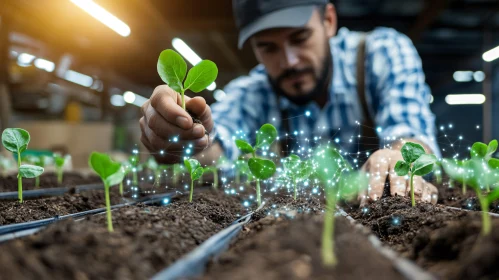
47 180
145 240
454 197
280 248
30 210
446 242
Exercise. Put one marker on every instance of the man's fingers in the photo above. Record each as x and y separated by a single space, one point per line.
430 193
166 102
197 106
377 171
418 184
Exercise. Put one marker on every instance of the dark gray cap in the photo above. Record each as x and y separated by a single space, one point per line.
253 16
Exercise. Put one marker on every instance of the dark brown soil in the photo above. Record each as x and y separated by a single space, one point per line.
279 248
47 180
454 197
446 242
145 240
30 210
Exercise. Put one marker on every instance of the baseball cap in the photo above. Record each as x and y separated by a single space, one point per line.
253 16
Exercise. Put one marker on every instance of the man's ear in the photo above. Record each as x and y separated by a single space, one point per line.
330 20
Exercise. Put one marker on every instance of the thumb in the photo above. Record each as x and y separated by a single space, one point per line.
199 109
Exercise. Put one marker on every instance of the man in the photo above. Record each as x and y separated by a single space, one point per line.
306 85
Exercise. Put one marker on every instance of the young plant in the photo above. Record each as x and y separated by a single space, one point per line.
59 164
172 69
416 161
195 170
178 171
40 161
16 140
214 170
297 170
260 168
340 181
111 174
134 164
484 152
152 165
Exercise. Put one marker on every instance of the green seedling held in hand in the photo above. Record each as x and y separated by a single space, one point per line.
195 170
59 164
416 161
297 170
261 169
173 70
111 174
340 181
16 140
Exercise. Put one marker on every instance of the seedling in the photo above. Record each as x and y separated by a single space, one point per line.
297 170
214 170
195 170
152 165
261 168
483 151
16 140
111 174
134 163
59 164
416 161
40 161
340 181
172 69
178 171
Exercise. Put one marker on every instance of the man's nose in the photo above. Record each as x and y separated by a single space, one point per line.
290 57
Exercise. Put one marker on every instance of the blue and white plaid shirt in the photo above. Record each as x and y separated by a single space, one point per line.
396 94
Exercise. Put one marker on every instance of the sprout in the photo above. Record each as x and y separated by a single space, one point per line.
134 164
195 170
152 165
40 161
178 171
172 69
261 169
214 170
416 162
340 181
297 170
59 164
16 140
111 174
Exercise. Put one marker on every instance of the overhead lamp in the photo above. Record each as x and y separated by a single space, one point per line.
212 86
117 100
25 59
491 55
44 64
103 16
463 76
465 99
219 95
186 51
78 78
133 98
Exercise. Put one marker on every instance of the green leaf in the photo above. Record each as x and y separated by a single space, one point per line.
116 178
493 163
15 140
266 135
329 163
198 172
402 168
424 164
134 160
305 170
192 165
478 150
151 163
261 168
104 166
351 183
412 151
201 76
244 147
291 163
30 171
491 149
59 161
172 69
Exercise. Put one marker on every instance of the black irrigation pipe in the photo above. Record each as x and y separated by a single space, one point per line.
50 191
194 263
20 227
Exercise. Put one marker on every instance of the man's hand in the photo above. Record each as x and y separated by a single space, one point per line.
164 119
380 166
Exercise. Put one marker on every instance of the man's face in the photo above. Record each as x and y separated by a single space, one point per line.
294 57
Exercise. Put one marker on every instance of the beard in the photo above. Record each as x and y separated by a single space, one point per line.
321 86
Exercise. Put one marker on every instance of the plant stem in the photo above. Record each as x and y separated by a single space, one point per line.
484 204
464 187
487 187
258 194
238 177
59 175
296 190
215 178
328 255
121 188
157 178
192 190
413 201
37 182
108 209
135 179
19 179
183 99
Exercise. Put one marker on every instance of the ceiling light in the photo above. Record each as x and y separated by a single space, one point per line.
212 86
491 55
103 16
479 76
44 64
465 99
186 51
78 78
25 59
463 76
129 97
219 94
117 100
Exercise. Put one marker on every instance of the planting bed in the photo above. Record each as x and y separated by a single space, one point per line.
42 208
454 197
146 239
446 242
47 180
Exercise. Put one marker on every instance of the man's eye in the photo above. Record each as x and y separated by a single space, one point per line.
302 38
270 49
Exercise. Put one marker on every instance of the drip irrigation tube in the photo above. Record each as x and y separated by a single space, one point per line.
467 210
407 268
50 191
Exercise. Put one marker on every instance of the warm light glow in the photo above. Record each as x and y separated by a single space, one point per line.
25 59
117 100
129 97
491 55
78 78
103 16
465 99
44 64
186 51
212 86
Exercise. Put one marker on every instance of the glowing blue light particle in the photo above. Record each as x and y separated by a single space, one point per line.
166 201
188 151
379 129
307 113
337 140
246 204
175 139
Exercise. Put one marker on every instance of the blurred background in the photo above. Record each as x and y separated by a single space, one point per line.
75 72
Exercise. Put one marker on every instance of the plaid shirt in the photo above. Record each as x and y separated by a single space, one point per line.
396 93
